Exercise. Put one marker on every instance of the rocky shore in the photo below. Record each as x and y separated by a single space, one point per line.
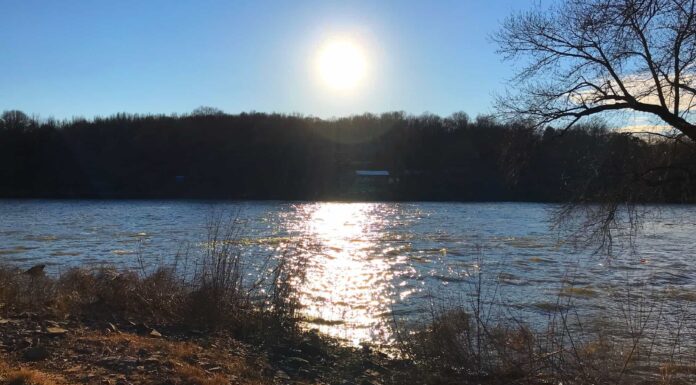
116 327
37 349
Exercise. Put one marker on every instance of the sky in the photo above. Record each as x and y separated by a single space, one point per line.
70 58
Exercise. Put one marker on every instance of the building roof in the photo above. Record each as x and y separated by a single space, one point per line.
372 172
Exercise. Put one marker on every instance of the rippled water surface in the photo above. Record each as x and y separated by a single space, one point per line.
368 261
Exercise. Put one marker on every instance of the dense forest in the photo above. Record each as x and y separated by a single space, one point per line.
210 154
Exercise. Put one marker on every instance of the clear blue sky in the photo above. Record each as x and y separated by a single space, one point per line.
85 58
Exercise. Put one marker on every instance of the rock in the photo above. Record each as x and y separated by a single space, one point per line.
83 350
55 331
141 328
27 314
36 353
282 375
36 271
296 362
109 361
155 334
22 343
208 365
311 344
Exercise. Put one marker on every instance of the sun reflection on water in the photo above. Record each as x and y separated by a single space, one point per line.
348 284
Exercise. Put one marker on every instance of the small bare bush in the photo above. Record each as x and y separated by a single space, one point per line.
219 295
23 292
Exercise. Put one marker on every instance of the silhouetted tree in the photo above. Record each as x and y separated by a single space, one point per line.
15 120
587 57
207 111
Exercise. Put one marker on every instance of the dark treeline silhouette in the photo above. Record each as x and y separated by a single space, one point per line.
210 154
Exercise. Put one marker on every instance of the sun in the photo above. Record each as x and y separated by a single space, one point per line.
342 64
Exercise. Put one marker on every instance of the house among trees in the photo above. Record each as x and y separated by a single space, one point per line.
371 173
371 183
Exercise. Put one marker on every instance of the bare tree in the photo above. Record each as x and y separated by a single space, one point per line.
590 58
207 111
581 58
14 120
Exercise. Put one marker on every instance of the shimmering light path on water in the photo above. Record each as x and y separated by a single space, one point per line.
342 271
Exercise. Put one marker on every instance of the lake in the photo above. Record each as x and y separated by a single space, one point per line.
367 263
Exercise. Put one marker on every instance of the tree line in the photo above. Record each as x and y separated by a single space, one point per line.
213 155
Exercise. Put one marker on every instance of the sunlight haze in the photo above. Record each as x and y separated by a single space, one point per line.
342 64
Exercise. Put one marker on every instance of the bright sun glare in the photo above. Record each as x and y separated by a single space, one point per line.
342 64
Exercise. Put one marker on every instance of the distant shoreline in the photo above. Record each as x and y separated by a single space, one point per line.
390 157
127 198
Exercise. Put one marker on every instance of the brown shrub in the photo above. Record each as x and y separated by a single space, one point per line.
21 292
25 377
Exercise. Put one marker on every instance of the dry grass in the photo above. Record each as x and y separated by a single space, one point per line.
457 344
479 340
28 377
214 296
182 357
25 376
188 374
155 296
22 291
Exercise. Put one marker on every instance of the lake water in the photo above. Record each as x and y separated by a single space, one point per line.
368 262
